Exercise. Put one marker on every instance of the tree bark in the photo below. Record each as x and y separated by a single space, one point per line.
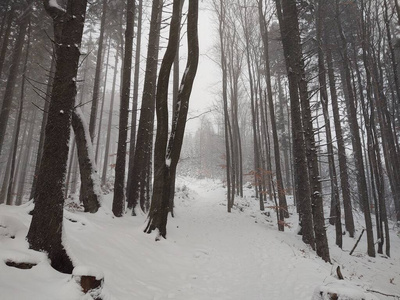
165 166
144 143
362 185
287 11
45 231
90 194
118 205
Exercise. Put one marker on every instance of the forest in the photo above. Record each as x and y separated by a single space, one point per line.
107 106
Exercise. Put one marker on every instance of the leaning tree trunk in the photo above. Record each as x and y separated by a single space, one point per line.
159 209
110 118
167 158
90 194
343 170
46 229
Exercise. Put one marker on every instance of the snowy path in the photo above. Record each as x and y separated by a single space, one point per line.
209 254
235 257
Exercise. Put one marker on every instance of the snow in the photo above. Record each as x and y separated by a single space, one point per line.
168 162
95 175
88 271
208 254
53 3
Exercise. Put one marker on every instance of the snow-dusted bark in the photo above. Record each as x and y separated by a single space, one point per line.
46 229
90 194
167 154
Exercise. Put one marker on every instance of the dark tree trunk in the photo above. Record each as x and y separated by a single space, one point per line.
144 143
118 205
166 165
279 179
160 203
45 232
354 128
221 30
175 88
131 168
286 14
335 215
43 126
344 177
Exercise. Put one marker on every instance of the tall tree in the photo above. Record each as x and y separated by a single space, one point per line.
279 178
119 193
354 127
46 229
132 144
288 21
144 142
168 150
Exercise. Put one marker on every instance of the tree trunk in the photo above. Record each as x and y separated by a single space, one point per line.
335 216
14 71
160 203
132 146
90 194
279 179
118 205
102 103
301 182
97 75
144 143
43 125
165 165
110 117
354 128
45 231
343 170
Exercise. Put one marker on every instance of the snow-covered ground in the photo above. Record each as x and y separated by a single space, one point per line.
209 254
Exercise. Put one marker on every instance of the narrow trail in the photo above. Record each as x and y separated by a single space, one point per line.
236 255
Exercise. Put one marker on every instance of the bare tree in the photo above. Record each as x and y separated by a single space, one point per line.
168 149
45 231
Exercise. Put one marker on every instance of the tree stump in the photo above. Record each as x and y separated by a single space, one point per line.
90 279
